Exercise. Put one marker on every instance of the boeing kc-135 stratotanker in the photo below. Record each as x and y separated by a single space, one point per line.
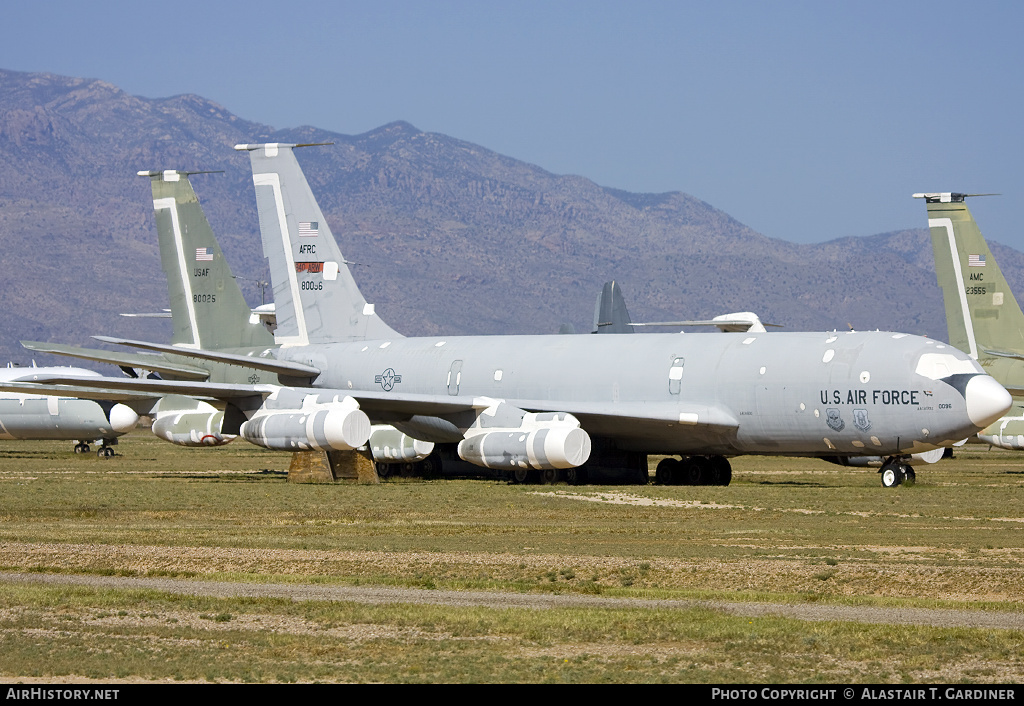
554 404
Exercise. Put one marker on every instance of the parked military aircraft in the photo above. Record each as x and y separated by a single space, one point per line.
61 417
982 315
208 310
554 403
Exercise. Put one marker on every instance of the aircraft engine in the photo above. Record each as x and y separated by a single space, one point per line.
185 421
542 441
192 428
389 445
332 427
933 456
122 418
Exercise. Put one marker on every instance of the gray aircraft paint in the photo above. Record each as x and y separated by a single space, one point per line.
207 310
800 394
785 393
37 416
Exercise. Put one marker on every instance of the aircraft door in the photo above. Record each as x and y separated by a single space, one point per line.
454 377
675 376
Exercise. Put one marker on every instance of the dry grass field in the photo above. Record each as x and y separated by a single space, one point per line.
899 580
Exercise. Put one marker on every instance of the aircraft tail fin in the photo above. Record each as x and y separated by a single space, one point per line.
207 306
610 314
316 298
981 311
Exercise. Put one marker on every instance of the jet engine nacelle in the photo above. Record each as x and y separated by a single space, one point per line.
388 445
192 429
334 427
122 418
933 456
188 422
542 441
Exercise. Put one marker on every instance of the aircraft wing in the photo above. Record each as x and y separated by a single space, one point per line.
85 386
380 402
273 365
125 360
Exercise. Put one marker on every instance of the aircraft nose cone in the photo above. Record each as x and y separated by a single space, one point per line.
987 400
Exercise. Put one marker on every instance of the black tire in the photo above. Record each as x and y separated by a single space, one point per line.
694 471
892 475
723 470
712 472
549 476
383 469
668 471
575 476
521 476
430 467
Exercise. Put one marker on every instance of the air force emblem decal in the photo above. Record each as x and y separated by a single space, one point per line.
860 419
388 379
833 419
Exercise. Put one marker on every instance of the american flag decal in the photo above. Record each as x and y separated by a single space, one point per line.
204 254
975 260
309 229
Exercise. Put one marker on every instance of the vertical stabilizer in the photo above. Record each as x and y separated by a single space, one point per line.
610 314
207 306
981 311
315 296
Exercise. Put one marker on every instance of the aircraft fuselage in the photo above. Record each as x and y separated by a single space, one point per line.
809 394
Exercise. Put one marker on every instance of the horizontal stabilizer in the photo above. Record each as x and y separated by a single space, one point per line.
126 360
271 365
1004 354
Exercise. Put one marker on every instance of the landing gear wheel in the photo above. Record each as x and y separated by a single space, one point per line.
575 476
695 471
668 471
892 475
383 469
911 477
430 467
82 448
521 476
549 476
723 470
105 452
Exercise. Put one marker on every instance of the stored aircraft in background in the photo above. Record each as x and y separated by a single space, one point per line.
554 404
208 311
612 316
36 416
982 315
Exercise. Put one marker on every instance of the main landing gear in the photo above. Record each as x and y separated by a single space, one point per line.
896 472
694 470
106 450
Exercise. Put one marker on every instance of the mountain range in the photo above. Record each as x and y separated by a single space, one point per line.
449 236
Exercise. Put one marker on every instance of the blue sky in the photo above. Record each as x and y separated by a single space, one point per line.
805 120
